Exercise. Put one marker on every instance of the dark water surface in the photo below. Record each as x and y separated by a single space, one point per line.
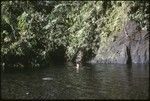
97 81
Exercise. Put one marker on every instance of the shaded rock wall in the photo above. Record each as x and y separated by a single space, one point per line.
132 46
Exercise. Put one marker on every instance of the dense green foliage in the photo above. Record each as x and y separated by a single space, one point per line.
38 32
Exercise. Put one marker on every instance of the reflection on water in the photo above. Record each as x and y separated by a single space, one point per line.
97 81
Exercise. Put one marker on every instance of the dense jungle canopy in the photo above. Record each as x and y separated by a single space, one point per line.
36 33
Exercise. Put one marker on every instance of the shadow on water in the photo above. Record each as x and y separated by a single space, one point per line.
97 81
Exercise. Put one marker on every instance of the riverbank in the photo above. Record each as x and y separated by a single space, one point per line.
35 34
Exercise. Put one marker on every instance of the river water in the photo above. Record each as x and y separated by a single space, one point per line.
98 81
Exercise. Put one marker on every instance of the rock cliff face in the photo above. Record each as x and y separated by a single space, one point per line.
132 46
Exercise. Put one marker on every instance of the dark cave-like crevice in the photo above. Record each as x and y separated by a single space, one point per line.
58 56
129 60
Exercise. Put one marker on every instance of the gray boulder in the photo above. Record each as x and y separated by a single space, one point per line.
131 46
